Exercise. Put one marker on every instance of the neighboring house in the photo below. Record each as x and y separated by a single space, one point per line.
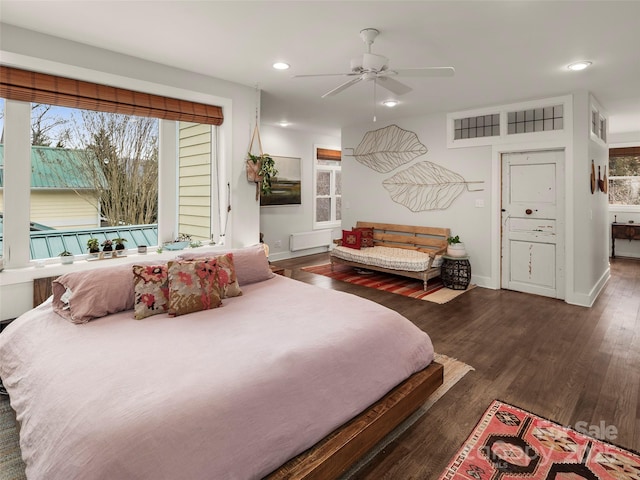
61 197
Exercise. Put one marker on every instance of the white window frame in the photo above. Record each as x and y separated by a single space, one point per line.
332 169
614 207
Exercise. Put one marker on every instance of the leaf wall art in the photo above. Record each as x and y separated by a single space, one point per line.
426 186
387 148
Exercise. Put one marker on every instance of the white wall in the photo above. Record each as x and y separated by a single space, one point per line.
278 222
30 50
365 198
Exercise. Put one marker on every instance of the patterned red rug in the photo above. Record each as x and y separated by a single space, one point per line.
409 287
511 443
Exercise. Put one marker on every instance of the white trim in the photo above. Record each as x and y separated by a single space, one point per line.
496 217
583 300
332 169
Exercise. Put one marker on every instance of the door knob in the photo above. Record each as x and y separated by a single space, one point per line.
528 211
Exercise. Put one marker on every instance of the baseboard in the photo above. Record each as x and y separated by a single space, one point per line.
482 281
274 257
587 300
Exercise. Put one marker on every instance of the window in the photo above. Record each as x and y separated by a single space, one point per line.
624 176
76 153
536 120
475 127
327 188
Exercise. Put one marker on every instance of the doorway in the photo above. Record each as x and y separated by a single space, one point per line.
532 221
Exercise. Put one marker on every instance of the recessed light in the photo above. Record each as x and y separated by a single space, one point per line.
579 66
284 123
281 66
390 103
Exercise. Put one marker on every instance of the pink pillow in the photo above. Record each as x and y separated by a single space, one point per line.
151 285
251 263
83 296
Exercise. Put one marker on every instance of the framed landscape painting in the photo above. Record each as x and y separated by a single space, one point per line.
286 186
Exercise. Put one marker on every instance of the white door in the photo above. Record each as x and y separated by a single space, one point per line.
533 222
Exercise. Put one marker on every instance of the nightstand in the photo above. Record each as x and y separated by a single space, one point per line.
455 272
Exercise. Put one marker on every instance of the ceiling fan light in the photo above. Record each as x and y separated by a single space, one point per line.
577 66
390 103
281 66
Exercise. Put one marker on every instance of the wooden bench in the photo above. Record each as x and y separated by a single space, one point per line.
429 240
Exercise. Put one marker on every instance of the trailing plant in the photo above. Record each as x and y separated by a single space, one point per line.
267 170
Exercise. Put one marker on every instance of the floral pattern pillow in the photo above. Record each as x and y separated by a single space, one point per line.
193 286
151 285
227 278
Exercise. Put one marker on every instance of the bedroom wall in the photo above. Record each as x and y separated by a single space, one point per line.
278 222
31 50
365 198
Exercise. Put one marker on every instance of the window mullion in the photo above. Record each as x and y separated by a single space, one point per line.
17 183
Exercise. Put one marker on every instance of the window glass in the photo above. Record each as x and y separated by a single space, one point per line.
197 180
93 173
624 176
328 188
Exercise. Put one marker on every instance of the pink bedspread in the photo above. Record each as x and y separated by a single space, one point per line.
230 393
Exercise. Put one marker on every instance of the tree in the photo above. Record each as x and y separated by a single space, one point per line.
120 161
43 124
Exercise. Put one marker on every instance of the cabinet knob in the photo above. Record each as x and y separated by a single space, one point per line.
528 211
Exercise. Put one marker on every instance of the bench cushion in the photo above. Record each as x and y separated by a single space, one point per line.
386 257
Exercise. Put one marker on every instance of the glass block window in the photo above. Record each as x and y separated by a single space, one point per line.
536 120
474 127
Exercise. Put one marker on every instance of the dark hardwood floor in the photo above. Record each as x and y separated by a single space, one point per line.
566 363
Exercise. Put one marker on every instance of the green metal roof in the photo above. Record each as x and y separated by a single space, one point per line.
58 168
49 243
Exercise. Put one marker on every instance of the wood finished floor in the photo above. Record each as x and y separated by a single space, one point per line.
560 361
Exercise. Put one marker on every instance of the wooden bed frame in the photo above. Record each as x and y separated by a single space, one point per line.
333 455
336 453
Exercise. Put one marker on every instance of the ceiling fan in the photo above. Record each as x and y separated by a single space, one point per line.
375 67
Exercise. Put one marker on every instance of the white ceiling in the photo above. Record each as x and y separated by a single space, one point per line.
503 51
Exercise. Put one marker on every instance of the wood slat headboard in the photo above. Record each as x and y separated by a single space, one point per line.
431 240
42 289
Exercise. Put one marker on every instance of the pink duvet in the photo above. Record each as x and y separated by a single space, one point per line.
230 393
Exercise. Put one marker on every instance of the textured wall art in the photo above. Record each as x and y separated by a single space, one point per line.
426 186
387 148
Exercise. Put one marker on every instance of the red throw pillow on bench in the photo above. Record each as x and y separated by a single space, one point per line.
351 239
367 235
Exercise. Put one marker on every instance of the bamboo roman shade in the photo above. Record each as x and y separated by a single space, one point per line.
16 84
327 154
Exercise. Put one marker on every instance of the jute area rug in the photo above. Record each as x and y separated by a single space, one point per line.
408 287
509 442
12 467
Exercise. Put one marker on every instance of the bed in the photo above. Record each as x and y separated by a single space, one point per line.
286 380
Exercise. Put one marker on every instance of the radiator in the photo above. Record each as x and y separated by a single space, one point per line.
304 240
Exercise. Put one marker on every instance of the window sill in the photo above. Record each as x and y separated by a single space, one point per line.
12 276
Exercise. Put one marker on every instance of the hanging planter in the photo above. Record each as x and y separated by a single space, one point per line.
261 168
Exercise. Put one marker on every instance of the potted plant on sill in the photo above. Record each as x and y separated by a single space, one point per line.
119 245
94 247
107 248
66 258
456 247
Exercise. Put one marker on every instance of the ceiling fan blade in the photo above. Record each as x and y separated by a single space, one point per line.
425 72
342 87
350 74
393 85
